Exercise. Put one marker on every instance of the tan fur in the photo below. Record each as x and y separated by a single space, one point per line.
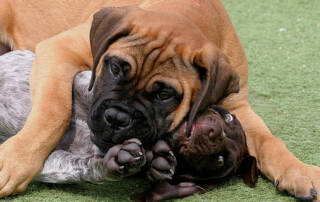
61 54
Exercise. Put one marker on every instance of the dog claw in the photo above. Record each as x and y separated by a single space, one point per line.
313 192
133 140
132 148
137 158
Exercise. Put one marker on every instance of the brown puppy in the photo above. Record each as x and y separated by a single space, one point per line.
215 149
190 45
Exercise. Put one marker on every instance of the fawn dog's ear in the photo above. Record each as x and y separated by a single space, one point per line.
108 25
218 78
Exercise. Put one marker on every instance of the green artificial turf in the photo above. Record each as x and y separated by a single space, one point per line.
282 42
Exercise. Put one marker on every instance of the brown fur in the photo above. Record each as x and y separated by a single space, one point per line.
4 49
215 149
205 36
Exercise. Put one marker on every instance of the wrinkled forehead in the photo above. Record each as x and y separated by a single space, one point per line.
161 45
157 63
166 24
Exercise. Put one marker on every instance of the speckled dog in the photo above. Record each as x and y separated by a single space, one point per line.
76 158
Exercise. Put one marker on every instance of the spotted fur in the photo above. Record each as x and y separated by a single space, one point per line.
76 158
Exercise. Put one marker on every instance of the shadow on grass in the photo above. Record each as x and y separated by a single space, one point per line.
122 190
108 191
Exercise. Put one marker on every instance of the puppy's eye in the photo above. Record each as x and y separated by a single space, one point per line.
228 118
220 161
164 95
115 69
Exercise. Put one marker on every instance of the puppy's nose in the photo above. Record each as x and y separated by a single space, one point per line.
214 129
117 118
215 132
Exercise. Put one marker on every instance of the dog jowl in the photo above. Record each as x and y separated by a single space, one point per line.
121 112
148 76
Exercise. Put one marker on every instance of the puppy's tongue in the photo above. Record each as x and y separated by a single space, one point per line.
206 125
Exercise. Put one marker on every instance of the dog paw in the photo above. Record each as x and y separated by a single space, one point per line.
18 166
161 162
301 181
124 160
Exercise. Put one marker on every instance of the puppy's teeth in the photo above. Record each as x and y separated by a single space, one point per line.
140 153
171 153
136 158
171 171
121 167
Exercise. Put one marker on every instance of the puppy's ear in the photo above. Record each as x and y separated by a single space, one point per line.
249 171
108 25
218 81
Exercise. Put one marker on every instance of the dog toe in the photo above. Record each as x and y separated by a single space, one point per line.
114 168
8 188
161 147
134 149
4 177
302 182
22 187
133 140
312 196
125 157
124 160
157 175
161 169
132 154
161 162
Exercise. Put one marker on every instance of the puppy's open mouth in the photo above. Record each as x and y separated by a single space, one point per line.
197 126
206 137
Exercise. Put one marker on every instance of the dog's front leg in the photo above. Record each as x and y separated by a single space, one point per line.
64 167
275 160
57 61
120 161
